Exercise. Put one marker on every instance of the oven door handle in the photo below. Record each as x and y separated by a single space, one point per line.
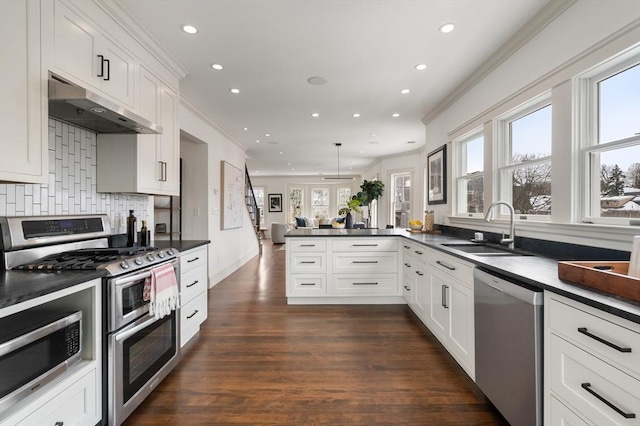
120 336
120 282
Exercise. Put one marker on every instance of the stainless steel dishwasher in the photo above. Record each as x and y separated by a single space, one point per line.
508 332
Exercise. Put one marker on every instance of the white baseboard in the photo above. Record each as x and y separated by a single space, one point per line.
370 300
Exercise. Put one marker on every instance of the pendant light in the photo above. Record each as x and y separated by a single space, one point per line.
338 145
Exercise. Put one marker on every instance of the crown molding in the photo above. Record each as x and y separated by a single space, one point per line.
546 15
131 25
195 110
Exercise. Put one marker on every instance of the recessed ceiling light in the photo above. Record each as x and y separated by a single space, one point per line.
446 28
405 91
245 128
267 134
217 67
361 152
395 115
316 80
374 135
315 115
356 115
189 29
421 67
257 140
281 153
234 91
288 164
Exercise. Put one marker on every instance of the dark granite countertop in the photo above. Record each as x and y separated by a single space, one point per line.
180 245
535 271
20 286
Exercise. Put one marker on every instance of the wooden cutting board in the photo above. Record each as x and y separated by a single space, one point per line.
608 276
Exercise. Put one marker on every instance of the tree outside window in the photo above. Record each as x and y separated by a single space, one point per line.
525 172
320 203
296 205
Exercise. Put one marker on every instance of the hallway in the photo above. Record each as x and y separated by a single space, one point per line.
258 360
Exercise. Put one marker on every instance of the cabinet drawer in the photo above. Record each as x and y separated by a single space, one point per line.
560 415
192 314
365 244
308 285
76 405
308 262
366 284
192 283
574 373
193 258
458 269
596 335
365 262
307 244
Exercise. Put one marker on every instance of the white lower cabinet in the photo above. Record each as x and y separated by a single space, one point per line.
560 415
334 270
193 292
591 365
75 405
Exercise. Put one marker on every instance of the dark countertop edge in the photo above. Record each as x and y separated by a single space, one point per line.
21 286
180 245
543 276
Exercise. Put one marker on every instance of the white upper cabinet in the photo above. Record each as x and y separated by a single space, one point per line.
86 57
23 103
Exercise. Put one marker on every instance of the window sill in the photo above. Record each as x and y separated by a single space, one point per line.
614 237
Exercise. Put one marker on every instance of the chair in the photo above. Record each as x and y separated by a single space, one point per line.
277 232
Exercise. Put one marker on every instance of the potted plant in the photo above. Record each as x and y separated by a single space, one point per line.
370 190
353 205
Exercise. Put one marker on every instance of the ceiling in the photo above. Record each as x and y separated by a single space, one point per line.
366 50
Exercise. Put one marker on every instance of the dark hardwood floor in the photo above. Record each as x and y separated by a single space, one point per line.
259 361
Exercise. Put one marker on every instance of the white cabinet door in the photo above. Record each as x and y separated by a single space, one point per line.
169 142
438 318
84 56
23 103
421 291
461 333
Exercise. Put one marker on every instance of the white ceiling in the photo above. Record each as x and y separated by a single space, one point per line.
366 49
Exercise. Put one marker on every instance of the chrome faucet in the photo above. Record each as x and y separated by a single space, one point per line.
511 241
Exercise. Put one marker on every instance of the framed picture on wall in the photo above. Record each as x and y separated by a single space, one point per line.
437 176
275 203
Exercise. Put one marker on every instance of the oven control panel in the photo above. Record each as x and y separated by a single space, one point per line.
141 261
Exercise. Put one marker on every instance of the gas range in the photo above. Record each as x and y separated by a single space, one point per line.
62 243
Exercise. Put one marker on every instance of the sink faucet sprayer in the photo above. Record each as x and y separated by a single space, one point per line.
511 241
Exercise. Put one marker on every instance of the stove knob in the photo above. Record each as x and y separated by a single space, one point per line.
124 264
170 252
161 254
138 261
151 257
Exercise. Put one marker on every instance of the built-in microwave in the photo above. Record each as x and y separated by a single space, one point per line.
36 347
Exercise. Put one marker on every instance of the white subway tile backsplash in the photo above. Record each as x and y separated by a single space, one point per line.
71 188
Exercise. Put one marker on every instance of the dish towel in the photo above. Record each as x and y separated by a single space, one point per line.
162 289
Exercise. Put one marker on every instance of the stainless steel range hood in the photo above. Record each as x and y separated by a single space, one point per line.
84 108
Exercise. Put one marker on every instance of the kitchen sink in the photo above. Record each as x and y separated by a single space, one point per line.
485 250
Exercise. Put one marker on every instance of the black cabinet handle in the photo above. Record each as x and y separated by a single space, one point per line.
193 260
407 265
365 283
108 70
364 261
587 387
444 296
192 315
192 284
308 261
307 245
585 331
419 273
307 283
364 245
451 268
101 66
418 252
60 423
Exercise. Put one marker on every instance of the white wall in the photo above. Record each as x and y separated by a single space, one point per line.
548 61
230 248
195 195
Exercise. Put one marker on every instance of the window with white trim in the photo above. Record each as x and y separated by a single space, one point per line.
258 193
296 203
320 203
401 200
343 196
610 139
524 159
470 174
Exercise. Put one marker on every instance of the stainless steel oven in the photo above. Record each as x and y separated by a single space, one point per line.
142 350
